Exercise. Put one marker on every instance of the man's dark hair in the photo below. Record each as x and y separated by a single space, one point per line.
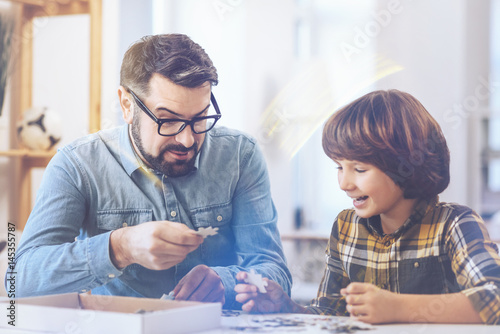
174 56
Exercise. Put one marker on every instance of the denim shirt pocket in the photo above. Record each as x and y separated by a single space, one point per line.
109 220
218 249
216 216
422 276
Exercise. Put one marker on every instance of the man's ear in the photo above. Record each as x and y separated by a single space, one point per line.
126 104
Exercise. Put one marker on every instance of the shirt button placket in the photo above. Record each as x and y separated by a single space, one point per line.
172 212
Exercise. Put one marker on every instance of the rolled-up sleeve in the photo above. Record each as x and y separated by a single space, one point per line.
476 263
50 259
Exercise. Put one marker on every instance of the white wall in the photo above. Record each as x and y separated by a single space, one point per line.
443 47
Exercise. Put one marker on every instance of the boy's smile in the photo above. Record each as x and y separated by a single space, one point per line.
374 193
359 201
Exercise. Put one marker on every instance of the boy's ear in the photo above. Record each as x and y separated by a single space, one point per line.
126 104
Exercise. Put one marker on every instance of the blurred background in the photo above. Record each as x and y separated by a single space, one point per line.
284 67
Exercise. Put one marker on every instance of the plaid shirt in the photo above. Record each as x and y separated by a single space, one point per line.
441 248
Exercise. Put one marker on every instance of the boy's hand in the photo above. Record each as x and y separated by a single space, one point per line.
368 303
274 300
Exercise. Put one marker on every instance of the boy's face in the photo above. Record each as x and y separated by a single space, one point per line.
372 191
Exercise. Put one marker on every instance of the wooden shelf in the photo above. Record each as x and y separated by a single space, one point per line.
23 153
41 8
24 160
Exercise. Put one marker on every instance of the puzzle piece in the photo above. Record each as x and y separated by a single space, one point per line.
170 296
256 279
207 231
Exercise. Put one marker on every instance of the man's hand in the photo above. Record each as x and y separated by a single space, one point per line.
200 284
155 245
367 302
273 301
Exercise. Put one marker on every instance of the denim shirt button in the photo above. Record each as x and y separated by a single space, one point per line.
173 213
111 275
416 265
219 218
124 224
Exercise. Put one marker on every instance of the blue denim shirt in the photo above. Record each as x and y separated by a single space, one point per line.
97 184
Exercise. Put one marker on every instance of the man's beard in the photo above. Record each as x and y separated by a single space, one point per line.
173 169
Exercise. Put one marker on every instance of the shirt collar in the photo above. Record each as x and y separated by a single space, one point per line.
129 158
421 208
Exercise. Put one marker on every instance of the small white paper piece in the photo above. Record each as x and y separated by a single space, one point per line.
256 279
170 296
207 231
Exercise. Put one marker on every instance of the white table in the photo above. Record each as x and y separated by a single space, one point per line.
246 323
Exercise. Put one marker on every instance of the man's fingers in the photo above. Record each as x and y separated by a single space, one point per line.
161 247
186 287
198 292
215 295
177 233
200 284
155 245
241 276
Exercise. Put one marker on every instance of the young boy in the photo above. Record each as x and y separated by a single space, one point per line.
399 255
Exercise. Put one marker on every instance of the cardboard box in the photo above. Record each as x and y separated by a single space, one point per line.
85 313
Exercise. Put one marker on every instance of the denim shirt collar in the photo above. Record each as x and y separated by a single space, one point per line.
131 160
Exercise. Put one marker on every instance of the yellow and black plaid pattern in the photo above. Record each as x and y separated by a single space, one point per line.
442 248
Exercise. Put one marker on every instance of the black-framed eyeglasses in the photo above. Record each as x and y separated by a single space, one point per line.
171 127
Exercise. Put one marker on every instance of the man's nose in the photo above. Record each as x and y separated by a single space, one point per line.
185 137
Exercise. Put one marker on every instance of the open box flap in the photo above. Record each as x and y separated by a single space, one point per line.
130 304
67 300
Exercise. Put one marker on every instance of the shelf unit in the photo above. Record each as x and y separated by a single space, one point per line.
23 161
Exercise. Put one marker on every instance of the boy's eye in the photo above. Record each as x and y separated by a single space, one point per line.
360 170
